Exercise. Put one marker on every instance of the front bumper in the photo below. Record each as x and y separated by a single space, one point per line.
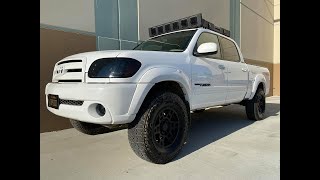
116 99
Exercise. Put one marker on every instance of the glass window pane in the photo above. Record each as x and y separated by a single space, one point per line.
230 52
174 42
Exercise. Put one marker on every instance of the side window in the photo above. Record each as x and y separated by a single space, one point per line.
229 50
208 37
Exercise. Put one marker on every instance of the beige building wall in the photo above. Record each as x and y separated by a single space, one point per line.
259 37
257 30
73 14
276 53
276 4
55 45
66 28
155 12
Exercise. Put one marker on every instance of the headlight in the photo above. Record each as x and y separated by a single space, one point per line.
114 68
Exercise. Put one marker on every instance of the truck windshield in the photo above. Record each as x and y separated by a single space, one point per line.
174 42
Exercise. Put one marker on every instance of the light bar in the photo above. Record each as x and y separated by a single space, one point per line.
194 21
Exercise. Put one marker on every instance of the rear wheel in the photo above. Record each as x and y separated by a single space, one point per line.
160 129
89 128
255 108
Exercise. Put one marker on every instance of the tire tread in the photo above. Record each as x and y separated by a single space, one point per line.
137 130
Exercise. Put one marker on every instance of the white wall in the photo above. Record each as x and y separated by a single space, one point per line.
155 12
257 30
74 14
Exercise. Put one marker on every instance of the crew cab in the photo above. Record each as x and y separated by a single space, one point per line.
153 88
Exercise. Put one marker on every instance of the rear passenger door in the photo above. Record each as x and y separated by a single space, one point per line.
237 71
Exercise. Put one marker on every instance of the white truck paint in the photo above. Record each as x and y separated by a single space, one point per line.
122 97
153 87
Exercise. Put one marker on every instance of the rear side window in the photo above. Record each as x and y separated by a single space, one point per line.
229 50
208 37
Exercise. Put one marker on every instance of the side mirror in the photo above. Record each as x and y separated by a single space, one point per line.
207 49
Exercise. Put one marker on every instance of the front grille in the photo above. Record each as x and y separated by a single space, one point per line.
69 71
71 102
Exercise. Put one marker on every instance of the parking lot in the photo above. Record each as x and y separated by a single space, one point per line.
223 144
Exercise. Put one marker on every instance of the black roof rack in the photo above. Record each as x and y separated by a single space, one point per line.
194 21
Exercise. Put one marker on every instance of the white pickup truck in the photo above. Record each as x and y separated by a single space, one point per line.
153 88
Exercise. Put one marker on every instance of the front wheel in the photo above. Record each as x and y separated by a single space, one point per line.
160 129
255 108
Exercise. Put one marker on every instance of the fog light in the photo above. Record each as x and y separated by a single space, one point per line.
100 110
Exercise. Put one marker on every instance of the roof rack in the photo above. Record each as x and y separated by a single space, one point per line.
194 21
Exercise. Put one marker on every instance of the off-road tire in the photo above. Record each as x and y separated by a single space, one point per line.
255 108
142 132
89 128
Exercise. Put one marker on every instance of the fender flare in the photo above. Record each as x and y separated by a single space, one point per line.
156 75
257 80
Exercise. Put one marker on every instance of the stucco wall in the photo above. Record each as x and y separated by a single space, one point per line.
154 12
257 30
55 45
73 14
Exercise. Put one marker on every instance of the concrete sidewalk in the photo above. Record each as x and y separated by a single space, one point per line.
222 144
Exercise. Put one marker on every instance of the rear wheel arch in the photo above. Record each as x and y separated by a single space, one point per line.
259 82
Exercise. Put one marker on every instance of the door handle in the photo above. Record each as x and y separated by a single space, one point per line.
244 69
221 67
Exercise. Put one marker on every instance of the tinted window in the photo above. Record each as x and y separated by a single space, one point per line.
229 50
208 37
175 42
